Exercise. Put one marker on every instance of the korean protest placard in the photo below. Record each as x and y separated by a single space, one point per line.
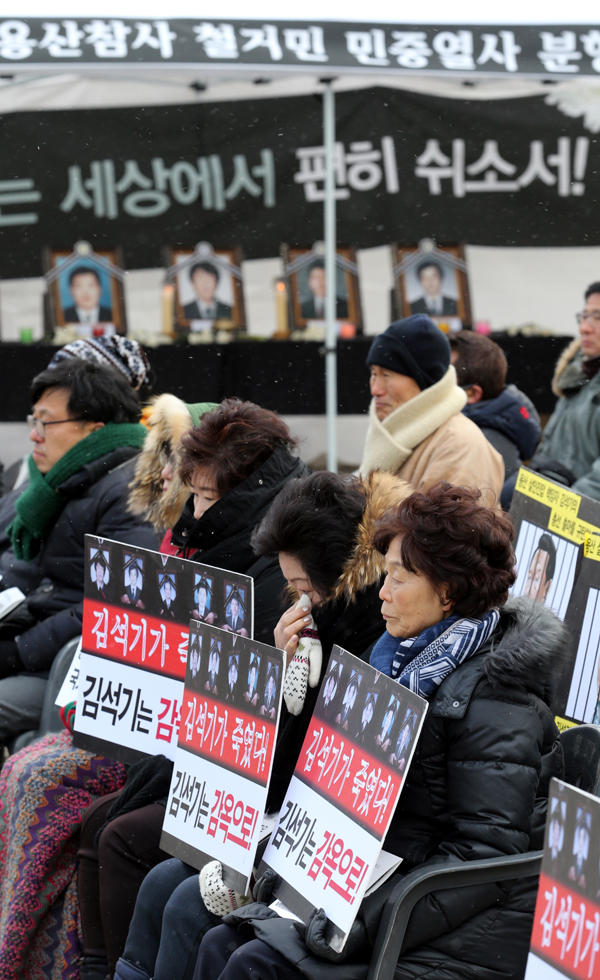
558 565
565 941
136 612
343 793
227 734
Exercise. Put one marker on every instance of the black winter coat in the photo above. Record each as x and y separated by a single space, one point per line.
222 535
477 788
96 504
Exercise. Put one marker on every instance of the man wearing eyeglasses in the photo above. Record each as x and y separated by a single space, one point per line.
85 436
570 448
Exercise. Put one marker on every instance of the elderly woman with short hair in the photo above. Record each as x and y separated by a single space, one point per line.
478 784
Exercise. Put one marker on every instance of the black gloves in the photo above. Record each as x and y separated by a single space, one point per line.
10 661
263 888
313 934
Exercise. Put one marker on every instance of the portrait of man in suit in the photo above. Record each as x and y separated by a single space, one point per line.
384 737
363 733
232 679
194 676
214 662
433 302
168 595
202 596
100 575
313 308
251 694
85 287
234 616
268 706
349 698
132 596
204 277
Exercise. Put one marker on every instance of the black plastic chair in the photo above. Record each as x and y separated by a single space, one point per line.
582 769
50 718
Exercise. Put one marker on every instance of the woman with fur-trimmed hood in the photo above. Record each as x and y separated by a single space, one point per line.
156 491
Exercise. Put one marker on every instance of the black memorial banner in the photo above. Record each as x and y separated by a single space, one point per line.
251 174
506 49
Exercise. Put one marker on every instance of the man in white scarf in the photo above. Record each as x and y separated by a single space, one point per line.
416 427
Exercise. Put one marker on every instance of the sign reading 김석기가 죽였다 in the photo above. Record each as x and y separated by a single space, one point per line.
565 941
227 736
136 612
344 790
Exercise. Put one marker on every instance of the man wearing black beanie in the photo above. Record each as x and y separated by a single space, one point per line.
417 429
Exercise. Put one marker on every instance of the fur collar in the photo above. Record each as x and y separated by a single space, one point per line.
568 355
531 648
366 566
169 419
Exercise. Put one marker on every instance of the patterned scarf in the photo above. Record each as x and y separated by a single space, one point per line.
421 662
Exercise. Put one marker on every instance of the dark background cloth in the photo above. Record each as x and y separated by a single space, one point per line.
285 376
42 146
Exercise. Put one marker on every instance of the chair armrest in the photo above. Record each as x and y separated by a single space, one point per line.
422 881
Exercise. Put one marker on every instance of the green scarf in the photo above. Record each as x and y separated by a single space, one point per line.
40 504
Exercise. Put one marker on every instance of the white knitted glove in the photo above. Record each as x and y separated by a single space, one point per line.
217 897
304 669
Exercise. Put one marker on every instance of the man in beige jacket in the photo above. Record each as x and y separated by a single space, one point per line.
417 429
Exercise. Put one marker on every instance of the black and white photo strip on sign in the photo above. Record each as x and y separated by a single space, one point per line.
136 613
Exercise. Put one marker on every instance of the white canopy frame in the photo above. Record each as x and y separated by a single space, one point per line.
25 86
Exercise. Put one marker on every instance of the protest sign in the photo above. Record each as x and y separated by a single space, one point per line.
557 549
565 941
578 689
68 688
136 612
343 793
227 735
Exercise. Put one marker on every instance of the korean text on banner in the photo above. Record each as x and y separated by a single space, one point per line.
227 735
565 940
344 790
136 612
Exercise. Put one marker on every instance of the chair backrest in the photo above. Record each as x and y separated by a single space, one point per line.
581 746
50 719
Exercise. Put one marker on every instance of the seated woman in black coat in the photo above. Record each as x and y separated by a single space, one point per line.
234 462
478 783
342 583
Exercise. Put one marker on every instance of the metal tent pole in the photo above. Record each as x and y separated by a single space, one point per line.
330 277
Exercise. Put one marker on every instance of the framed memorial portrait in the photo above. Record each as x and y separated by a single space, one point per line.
85 290
99 570
305 273
208 289
433 279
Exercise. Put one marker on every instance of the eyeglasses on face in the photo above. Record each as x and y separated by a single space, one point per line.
40 426
593 317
